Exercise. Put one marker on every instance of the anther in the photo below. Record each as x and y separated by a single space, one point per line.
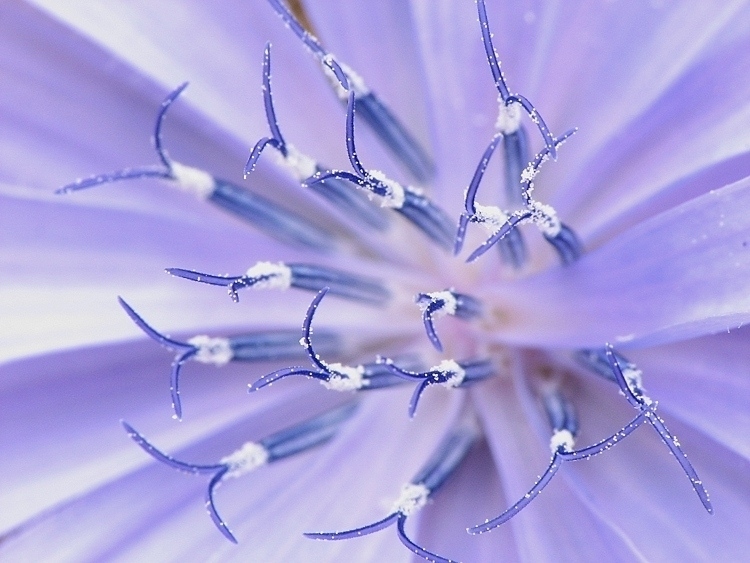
256 210
302 166
414 495
252 455
408 201
441 303
281 276
448 373
219 351
376 114
335 376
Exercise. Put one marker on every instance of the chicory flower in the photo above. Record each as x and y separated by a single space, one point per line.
639 239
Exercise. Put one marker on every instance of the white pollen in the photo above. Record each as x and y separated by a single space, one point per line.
356 82
529 173
412 498
490 217
194 180
508 117
458 374
561 438
345 378
279 275
395 192
449 303
216 351
249 457
300 165
545 217
633 377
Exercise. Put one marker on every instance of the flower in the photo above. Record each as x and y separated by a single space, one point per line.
654 185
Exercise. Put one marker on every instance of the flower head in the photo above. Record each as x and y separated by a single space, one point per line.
603 295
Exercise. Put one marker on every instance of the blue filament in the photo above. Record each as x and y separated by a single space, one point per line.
376 114
293 440
276 221
516 149
439 467
395 136
567 244
560 413
308 434
417 208
303 276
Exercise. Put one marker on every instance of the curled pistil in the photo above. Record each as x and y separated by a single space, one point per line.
441 303
260 212
414 495
252 455
564 423
406 200
334 376
384 123
509 115
303 166
449 373
219 351
501 223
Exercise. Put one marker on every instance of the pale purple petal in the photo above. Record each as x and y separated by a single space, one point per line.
654 183
677 275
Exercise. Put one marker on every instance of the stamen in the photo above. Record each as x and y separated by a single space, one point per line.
507 99
512 247
562 418
449 373
251 455
441 303
256 210
543 216
336 376
564 423
302 166
376 114
414 495
269 275
219 351
408 201
633 392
